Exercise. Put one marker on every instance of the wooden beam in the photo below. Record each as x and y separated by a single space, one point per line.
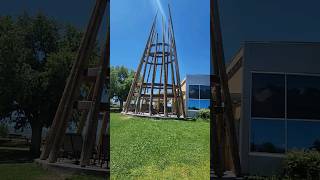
153 79
216 43
137 103
137 74
165 100
180 95
57 130
92 119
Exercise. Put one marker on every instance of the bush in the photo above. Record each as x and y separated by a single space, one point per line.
302 165
203 114
3 130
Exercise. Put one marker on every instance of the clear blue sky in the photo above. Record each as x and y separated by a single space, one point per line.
268 20
65 11
276 20
131 23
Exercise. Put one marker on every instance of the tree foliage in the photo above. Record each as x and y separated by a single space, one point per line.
121 79
36 55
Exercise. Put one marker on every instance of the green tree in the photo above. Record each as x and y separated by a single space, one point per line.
121 79
36 55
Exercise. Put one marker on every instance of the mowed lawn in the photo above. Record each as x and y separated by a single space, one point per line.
143 148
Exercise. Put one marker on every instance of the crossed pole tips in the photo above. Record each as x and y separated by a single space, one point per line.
92 107
157 82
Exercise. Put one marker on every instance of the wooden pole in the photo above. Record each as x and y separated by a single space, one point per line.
153 76
57 130
180 95
137 107
219 58
175 104
174 99
216 136
92 119
165 72
103 130
160 86
137 74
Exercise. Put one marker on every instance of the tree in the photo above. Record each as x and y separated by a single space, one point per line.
121 79
36 55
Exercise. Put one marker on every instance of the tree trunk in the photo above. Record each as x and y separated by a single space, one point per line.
121 104
36 127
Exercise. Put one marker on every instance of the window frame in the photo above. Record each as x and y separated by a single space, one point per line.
199 95
285 115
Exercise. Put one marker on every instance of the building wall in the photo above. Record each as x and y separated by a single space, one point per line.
194 80
235 85
277 58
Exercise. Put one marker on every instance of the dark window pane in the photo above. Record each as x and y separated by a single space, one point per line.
267 136
303 97
204 104
204 92
194 91
193 104
303 135
268 95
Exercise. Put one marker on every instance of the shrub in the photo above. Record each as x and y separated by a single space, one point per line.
3 130
302 165
203 114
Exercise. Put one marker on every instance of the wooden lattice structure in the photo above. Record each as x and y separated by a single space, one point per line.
90 107
223 140
156 89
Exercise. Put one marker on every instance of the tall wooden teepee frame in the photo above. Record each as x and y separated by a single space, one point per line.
92 107
156 82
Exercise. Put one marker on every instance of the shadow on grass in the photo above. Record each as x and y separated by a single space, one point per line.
8 156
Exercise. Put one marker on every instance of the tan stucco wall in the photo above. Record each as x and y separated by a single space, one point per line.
235 83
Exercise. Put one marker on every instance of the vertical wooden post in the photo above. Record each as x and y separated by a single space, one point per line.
175 104
177 66
153 76
165 100
103 130
160 86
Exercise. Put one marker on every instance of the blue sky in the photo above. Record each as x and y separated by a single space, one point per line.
64 11
251 20
269 20
131 23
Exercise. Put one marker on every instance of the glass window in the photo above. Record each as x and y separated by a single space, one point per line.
303 97
193 104
205 92
204 104
267 136
194 91
303 135
268 95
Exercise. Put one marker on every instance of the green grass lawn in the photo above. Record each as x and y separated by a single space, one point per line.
143 148
31 171
15 164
